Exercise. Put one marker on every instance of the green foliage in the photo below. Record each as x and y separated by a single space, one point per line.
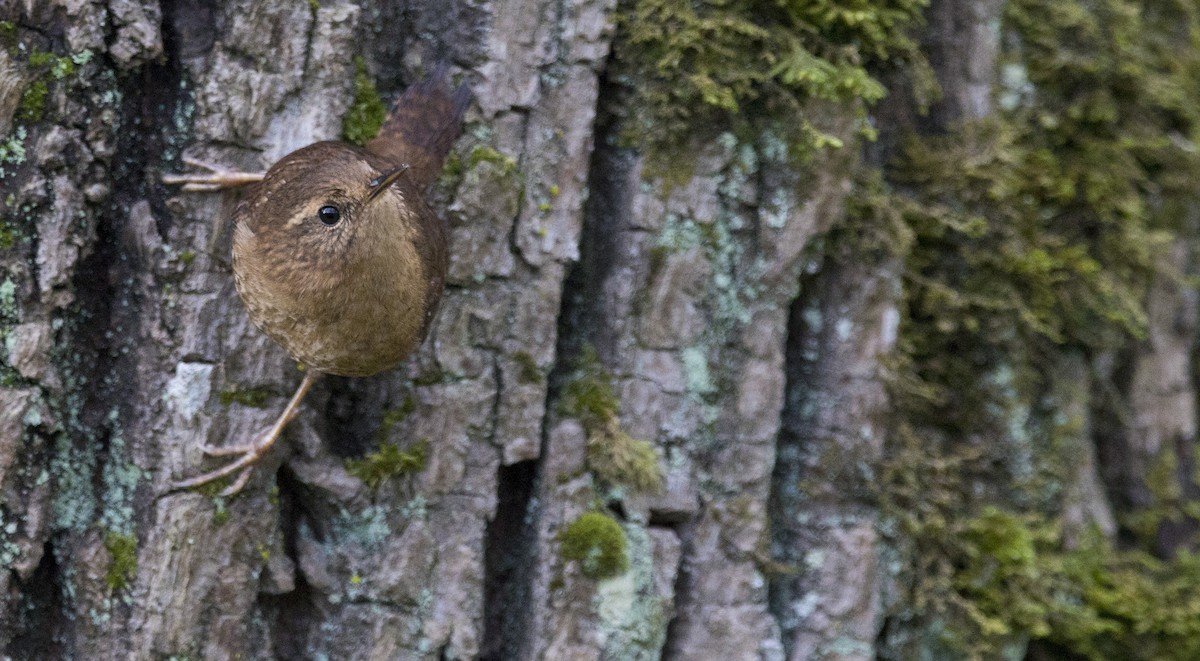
727 65
387 462
614 456
367 112
598 543
123 549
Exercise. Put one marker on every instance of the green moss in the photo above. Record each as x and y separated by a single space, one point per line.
452 171
123 568
1024 237
617 458
32 105
58 67
367 111
613 455
255 397
588 395
387 462
700 69
46 67
485 154
1004 576
187 257
529 372
597 542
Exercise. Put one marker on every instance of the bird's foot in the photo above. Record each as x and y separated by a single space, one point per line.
217 177
243 465
251 453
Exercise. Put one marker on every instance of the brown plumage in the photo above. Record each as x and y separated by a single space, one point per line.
336 254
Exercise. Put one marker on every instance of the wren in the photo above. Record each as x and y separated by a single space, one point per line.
336 255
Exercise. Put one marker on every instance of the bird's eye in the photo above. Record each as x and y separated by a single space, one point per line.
329 215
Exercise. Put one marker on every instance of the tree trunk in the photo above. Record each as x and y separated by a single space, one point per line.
713 315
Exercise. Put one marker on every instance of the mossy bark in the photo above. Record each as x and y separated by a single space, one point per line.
731 303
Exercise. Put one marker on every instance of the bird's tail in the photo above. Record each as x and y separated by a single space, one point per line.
423 125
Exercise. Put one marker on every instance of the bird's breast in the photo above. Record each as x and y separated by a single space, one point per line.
356 315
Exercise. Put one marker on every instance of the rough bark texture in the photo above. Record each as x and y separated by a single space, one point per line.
745 348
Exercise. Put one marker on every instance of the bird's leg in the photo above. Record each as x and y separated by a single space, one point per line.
254 451
216 179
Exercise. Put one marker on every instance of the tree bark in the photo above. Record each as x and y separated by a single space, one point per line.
741 341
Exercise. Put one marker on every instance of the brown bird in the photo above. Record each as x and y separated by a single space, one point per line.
335 253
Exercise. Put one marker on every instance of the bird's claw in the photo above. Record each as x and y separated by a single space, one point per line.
244 464
217 178
252 452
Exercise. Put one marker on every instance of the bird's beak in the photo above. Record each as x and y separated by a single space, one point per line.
380 183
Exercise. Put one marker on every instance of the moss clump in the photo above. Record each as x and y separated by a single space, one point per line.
58 67
187 257
597 542
707 68
485 154
618 458
588 394
613 455
46 66
387 462
503 169
367 112
255 397
123 549
529 372
32 105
